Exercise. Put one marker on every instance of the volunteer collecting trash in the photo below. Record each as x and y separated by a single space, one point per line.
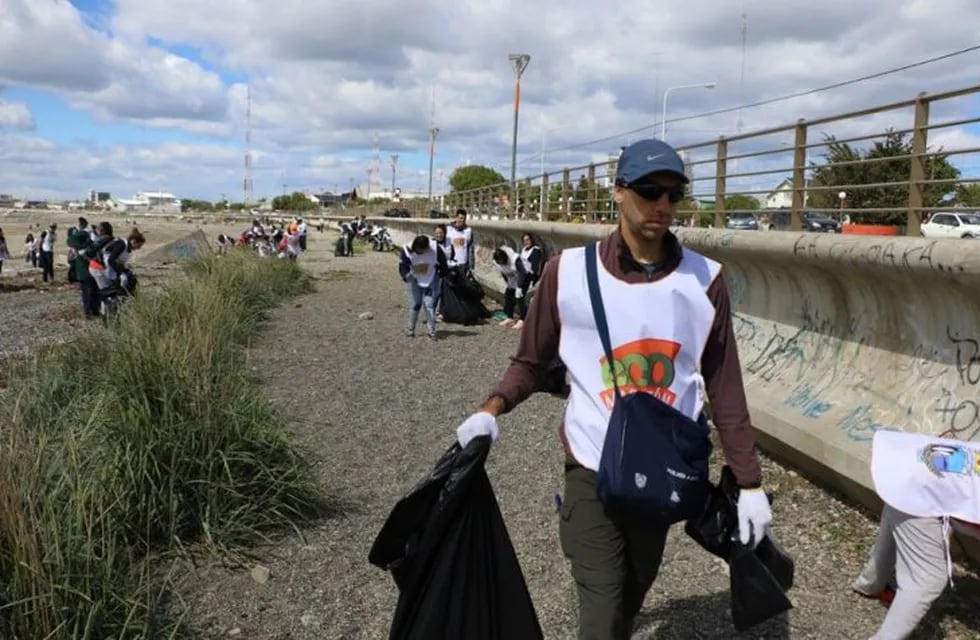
668 342
930 489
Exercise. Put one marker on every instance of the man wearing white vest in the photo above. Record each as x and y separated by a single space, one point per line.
420 265
460 236
671 333
931 488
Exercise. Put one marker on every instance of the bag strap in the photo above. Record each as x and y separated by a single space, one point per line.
598 311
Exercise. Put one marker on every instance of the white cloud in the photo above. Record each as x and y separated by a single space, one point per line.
15 116
326 76
46 44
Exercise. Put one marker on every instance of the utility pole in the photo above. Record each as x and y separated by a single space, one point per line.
433 132
518 61
247 180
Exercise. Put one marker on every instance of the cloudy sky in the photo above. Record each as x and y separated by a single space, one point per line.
130 95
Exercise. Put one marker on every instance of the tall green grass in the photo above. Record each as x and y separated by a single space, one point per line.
136 440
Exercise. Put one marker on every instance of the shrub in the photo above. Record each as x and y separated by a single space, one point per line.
135 440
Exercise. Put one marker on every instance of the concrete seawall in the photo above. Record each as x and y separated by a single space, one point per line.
839 336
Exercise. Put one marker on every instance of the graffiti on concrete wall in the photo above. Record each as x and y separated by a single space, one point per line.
831 370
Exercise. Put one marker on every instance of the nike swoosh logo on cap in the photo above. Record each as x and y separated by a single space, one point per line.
652 158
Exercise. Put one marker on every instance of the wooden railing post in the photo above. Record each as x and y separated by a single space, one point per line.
917 173
721 171
799 177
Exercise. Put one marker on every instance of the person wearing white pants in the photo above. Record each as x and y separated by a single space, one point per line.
931 488
909 552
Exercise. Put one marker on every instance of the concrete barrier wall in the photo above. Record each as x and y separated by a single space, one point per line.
839 336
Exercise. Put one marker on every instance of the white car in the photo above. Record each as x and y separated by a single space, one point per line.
952 225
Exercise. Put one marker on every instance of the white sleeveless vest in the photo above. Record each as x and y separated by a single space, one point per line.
509 270
423 264
658 331
927 476
461 241
525 257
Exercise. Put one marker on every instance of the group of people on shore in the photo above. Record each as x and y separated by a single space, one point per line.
431 264
273 239
98 260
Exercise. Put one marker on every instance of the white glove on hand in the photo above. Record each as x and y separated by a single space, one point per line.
518 294
478 424
754 516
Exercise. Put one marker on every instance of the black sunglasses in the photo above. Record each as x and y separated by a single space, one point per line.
654 191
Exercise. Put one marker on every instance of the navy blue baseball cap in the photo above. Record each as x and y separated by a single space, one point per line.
644 157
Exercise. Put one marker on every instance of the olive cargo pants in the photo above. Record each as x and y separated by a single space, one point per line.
614 560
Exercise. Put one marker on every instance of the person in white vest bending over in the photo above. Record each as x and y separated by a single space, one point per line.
931 488
669 325
460 236
420 265
512 271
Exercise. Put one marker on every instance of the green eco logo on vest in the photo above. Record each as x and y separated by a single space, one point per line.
645 365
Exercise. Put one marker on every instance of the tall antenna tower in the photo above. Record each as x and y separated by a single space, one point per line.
247 181
433 132
741 82
374 166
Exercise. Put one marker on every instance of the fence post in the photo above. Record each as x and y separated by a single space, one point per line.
593 206
917 172
565 177
545 211
721 171
526 210
799 177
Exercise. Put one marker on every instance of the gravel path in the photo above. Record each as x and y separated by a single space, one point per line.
377 409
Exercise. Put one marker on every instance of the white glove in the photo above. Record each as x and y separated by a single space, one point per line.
518 293
478 424
754 516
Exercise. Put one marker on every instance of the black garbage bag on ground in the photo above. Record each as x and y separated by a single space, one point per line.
759 578
340 247
466 284
462 299
448 550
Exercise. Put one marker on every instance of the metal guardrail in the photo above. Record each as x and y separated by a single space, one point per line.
755 164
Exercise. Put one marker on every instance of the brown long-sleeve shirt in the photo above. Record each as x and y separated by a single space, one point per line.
720 365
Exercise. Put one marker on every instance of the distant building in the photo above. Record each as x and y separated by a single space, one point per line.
327 199
147 201
781 197
99 198
6 200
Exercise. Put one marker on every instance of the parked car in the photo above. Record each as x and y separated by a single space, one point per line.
742 220
435 214
952 225
397 213
812 221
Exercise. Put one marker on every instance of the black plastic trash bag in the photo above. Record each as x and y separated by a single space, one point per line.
462 299
448 550
456 309
759 578
716 526
757 594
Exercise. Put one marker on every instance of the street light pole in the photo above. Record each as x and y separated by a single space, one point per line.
663 115
433 132
518 62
